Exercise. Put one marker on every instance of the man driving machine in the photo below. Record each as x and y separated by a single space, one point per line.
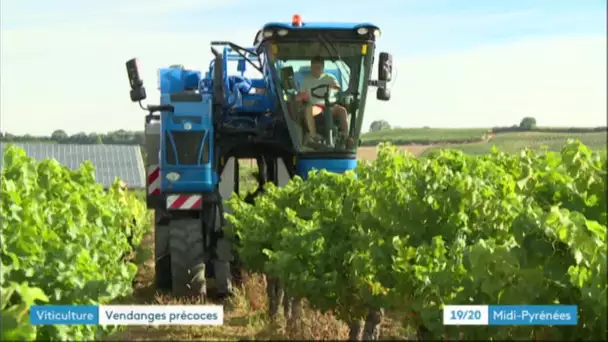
315 106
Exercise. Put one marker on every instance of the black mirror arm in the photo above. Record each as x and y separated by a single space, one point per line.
151 109
377 83
158 108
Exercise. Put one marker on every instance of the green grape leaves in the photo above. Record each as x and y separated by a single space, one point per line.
412 235
64 239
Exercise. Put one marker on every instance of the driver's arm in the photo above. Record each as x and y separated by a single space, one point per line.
333 83
303 93
302 96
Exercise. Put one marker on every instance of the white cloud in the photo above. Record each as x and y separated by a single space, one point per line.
73 77
559 81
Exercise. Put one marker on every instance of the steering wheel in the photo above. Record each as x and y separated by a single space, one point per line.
327 87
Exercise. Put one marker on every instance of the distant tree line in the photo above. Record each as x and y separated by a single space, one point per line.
120 137
529 124
379 125
526 124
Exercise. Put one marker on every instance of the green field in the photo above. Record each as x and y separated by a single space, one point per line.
515 142
425 135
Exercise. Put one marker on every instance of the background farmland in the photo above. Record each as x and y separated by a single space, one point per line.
476 141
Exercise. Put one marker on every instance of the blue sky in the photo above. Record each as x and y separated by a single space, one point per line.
409 26
525 57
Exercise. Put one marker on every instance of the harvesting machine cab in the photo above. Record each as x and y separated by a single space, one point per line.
206 123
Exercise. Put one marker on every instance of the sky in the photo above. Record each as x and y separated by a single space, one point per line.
458 63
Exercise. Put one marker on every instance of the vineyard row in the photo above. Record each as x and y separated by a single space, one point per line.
409 235
65 240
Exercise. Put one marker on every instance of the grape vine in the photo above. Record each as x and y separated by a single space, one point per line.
414 234
64 241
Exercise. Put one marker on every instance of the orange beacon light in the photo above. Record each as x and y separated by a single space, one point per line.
296 20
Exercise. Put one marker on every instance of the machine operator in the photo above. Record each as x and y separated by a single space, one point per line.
315 106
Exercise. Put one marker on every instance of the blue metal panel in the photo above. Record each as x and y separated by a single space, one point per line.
170 80
198 178
317 26
303 166
177 79
193 179
191 78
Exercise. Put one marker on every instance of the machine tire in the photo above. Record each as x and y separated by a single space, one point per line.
186 247
162 264
163 277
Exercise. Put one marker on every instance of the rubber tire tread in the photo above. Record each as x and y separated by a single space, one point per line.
162 277
162 267
187 258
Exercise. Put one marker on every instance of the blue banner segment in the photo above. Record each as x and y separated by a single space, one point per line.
64 314
533 315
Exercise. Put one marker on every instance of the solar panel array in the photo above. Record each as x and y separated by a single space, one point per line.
110 161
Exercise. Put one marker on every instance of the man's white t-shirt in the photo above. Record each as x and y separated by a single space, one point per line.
310 82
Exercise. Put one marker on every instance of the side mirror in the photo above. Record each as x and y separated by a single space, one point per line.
383 94
138 92
385 67
385 74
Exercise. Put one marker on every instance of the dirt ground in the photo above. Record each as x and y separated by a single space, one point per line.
245 315
369 152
